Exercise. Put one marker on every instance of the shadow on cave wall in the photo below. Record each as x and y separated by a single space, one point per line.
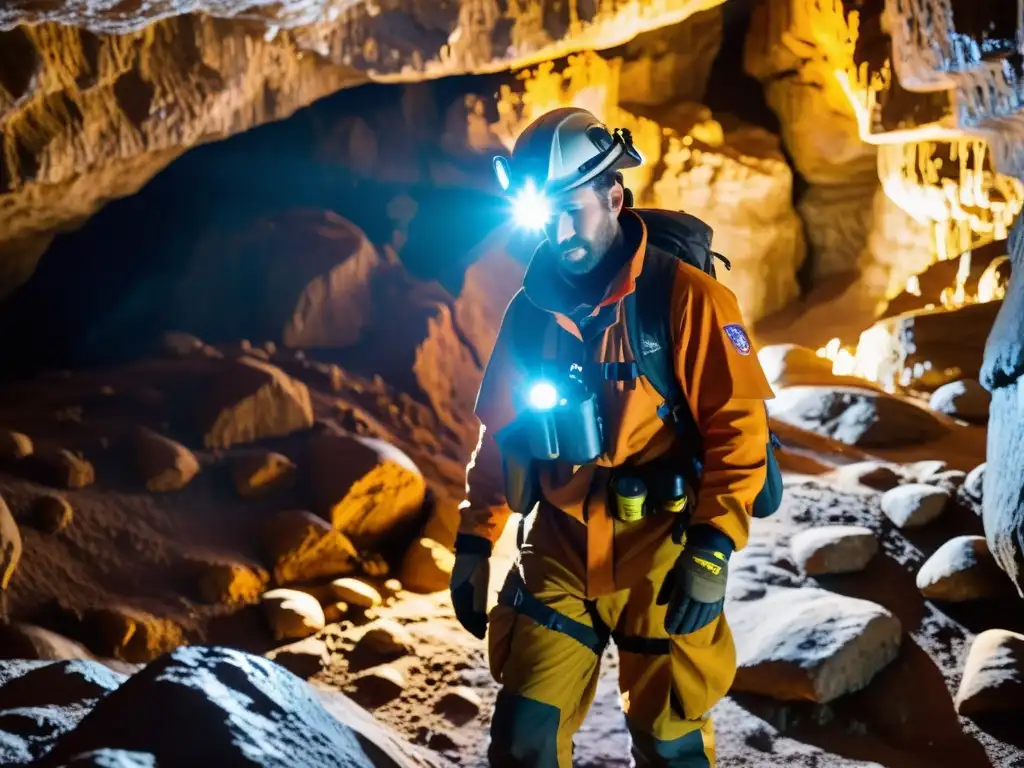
105 293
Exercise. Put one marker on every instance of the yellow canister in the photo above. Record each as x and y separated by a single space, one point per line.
630 495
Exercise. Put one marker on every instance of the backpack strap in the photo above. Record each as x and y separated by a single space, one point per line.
648 325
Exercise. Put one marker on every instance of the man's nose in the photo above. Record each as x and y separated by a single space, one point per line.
564 229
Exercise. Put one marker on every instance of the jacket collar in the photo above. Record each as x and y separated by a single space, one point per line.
545 288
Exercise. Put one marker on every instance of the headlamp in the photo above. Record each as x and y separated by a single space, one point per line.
543 396
531 209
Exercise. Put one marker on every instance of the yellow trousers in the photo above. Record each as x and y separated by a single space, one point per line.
545 644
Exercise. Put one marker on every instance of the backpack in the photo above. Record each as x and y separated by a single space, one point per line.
676 236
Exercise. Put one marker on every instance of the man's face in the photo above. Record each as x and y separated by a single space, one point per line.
583 227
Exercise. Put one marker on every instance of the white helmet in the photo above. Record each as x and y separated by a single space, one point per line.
564 149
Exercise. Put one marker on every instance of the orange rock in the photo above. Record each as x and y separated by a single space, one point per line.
252 400
14 445
10 545
292 615
52 513
261 472
133 635
64 469
302 547
232 583
367 487
164 464
427 566
26 641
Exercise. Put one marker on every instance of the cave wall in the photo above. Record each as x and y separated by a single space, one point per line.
94 100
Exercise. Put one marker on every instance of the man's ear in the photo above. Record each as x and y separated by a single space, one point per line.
616 198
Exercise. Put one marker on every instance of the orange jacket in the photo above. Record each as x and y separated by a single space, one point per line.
724 387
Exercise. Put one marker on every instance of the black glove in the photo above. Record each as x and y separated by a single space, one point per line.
470 575
695 587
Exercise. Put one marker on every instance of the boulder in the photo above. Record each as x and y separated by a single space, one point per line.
61 468
962 569
26 641
300 546
292 614
335 306
965 399
914 504
368 488
834 549
304 658
163 464
427 566
1002 507
10 545
974 482
250 400
132 635
809 644
871 474
385 640
356 592
14 445
232 583
60 683
51 513
378 686
924 471
856 416
261 472
237 709
459 705
993 679
489 285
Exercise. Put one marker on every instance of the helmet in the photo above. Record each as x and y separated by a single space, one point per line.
560 151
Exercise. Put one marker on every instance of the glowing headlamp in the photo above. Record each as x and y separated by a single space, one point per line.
543 396
531 208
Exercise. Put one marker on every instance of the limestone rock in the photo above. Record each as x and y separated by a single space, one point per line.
303 547
965 399
378 686
489 285
739 183
924 471
872 474
834 549
856 416
164 464
368 488
132 635
386 640
950 480
63 469
232 583
304 658
251 400
790 365
52 513
60 683
914 504
203 689
14 445
1002 510
962 569
374 565
259 473
427 566
974 483
993 679
26 641
809 644
10 545
356 592
337 303
292 614
459 705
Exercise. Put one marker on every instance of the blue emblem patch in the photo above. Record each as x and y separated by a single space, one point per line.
738 337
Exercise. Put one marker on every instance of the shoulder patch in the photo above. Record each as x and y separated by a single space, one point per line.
738 337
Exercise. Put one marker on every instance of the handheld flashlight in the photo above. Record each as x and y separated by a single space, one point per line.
543 396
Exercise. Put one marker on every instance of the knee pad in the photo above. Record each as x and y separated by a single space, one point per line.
524 732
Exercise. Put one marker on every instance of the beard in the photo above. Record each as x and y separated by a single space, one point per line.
578 256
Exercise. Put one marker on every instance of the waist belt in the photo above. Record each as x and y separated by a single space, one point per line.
514 594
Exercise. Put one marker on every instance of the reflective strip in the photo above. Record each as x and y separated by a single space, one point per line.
515 595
